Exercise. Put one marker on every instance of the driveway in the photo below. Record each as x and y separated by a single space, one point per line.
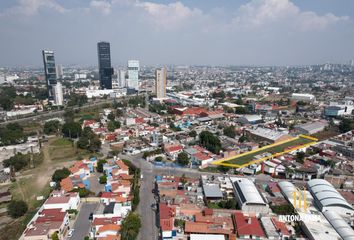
82 224
95 186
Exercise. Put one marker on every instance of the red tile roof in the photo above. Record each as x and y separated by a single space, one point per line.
280 226
109 227
174 148
51 215
248 225
105 221
167 224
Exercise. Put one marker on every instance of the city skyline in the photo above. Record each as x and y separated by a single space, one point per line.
257 32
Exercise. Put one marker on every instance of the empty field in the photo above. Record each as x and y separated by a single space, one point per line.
273 149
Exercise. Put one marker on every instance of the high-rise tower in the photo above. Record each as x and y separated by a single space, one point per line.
160 82
133 74
50 71
104 65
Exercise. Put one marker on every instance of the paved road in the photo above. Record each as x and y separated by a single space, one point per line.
52 114
82 224
149 171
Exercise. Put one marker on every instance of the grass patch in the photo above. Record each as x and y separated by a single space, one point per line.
213 206
272 150
61 142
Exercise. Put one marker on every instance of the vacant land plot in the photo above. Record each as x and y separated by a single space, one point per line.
266 152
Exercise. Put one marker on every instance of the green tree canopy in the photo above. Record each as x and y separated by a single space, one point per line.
103 179
346 125
230 131
17 208
18 162
12 134
193 133
210 142
131 226
71 129
183 158
113 125
52 127
100 164
60 174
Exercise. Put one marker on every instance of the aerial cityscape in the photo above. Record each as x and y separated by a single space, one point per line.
176 120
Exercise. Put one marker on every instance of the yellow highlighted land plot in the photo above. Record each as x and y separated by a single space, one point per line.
267 152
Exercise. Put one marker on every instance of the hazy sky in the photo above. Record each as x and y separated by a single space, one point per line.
213 32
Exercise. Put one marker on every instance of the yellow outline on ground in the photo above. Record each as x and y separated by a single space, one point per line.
222 161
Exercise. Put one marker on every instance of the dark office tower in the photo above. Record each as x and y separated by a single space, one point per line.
104 65
50 72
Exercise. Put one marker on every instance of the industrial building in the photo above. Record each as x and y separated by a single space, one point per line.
250 119
248 197
328 198
268 135
313 223
311 128
339 109
305 97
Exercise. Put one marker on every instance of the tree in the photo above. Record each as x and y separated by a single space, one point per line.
60 174
100 164
51 127
83 192
83 142
111 116
240 110
72 129
69 115
210 142
95 144
103 179
119 112
230 131
223 168
17 208
12 134
183 159
113 125
18 162
7 97
346 125
158 159
183 179
242 139
6 102
193 133
76 99
131 226
300 156
55 236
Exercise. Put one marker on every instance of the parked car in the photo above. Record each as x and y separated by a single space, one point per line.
71 233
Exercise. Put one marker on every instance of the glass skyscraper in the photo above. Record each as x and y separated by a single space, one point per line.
133 74
50 71
104 65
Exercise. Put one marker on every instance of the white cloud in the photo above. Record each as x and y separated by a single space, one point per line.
101 5
169 16
31 7
259 13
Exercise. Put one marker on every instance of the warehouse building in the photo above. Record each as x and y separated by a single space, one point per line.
248 197
327 198
311 128
305 97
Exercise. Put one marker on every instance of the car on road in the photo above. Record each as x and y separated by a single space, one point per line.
71 233
91 216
